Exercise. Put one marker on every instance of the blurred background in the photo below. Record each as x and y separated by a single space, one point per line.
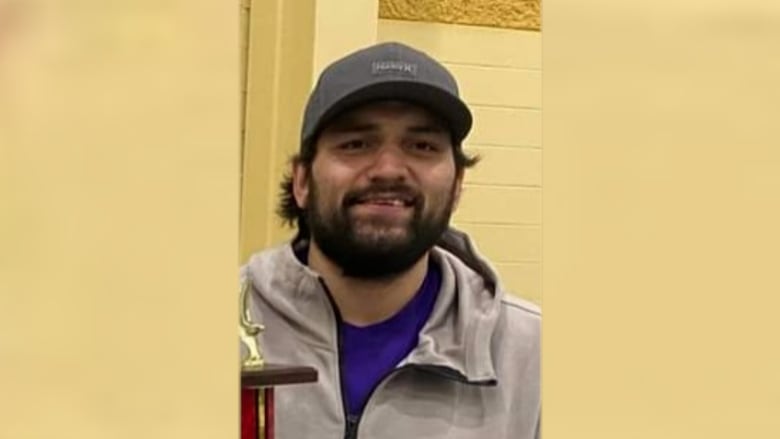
119 185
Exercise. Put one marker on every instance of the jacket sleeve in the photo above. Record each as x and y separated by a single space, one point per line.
538 433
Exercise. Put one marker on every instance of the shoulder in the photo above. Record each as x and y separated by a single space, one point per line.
267 258
275 267
521 308
520 323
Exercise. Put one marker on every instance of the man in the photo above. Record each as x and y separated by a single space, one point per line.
408 327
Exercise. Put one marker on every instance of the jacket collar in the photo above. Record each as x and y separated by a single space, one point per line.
455 342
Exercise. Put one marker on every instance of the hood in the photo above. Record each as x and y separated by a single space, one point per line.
457 339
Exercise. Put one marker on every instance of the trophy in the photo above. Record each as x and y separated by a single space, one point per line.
258 379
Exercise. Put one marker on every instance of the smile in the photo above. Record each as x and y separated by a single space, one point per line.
393 200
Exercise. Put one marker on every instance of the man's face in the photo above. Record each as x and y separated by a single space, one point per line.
381 189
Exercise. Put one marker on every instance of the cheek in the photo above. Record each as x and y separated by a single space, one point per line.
441 186
327 188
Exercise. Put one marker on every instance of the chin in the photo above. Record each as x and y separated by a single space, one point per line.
377 235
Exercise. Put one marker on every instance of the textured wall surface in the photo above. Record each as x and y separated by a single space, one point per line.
499 72
511 14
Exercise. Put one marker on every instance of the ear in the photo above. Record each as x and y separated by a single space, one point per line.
300 183
458 186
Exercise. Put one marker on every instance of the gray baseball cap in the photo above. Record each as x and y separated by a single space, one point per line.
382 72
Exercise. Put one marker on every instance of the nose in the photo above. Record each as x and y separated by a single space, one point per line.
389 163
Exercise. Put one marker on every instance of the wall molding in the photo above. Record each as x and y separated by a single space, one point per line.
508 14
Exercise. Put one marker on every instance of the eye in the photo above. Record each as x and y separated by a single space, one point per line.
424 146
354 144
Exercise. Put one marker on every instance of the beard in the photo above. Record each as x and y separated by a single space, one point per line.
366 249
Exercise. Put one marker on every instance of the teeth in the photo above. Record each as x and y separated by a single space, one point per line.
387 202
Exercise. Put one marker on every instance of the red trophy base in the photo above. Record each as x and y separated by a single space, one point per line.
257 396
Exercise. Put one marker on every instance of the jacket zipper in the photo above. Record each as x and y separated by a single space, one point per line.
351 431
353 427
350 422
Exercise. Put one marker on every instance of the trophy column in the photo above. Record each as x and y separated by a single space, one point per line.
259 379
257 396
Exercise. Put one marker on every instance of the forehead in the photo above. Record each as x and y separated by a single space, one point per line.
378 113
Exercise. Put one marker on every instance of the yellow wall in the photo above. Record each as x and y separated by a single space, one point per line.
119 157
499 71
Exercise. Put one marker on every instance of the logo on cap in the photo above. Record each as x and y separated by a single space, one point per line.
393 67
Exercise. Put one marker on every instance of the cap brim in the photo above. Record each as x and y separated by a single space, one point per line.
450 108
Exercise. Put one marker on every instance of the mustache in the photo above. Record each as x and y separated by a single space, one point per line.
353 197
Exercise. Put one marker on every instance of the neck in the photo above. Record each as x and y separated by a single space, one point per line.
363 302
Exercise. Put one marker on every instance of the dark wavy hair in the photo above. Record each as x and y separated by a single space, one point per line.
292 215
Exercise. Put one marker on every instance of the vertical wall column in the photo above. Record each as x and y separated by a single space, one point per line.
289 44
278 77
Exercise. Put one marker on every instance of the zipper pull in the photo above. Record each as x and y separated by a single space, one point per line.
352 423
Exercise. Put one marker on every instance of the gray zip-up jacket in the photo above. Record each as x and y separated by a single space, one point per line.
474 374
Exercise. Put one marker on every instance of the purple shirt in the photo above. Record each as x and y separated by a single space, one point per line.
370 353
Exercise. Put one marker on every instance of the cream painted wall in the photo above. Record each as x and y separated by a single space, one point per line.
499 71
342 26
